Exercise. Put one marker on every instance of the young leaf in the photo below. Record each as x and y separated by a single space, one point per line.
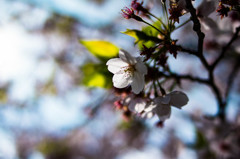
148 36
95 75
101 49
140 36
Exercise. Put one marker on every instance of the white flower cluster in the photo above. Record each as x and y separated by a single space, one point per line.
129 70
161 106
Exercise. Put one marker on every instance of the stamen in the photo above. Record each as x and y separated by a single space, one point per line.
128 71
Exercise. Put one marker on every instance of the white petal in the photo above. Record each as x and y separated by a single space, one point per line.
208 23
162 100
139 107
125 56
137 83
163 111
207 7
150 107
137 104
115 65
121 80
140 66
131 107
147 115
127 100
178 99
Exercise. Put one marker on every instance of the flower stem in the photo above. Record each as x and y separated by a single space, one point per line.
155 89
182 24
153 27
158 19
165 9
161 89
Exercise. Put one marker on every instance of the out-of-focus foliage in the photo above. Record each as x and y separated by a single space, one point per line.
95 75
3 95
148 36
55 149
101 49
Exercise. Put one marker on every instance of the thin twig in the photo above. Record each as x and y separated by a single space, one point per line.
185 77
192 52
158 19
152 26
225 48
182 24
197 29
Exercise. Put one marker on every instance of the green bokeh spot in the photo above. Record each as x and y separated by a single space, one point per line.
101 49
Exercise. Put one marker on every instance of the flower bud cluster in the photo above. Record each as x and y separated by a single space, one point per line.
227 5
129 13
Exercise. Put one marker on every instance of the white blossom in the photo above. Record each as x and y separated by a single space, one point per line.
162 105
127 70
207 7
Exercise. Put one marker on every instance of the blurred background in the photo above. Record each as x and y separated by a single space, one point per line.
46 112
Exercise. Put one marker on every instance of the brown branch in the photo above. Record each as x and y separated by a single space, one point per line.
222 104
155 74
192 52
197 29
184 77
210 81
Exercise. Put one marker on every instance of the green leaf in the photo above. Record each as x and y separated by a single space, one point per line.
147 37
53 147
96 75
101 49
3 95
133 33
140 35
150 31
96 80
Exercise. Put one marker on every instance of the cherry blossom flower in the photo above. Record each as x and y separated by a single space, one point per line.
137 105
127 70
162 105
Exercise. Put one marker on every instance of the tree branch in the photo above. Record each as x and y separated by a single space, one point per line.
184 77
210 81
197 29
224 49
192 52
